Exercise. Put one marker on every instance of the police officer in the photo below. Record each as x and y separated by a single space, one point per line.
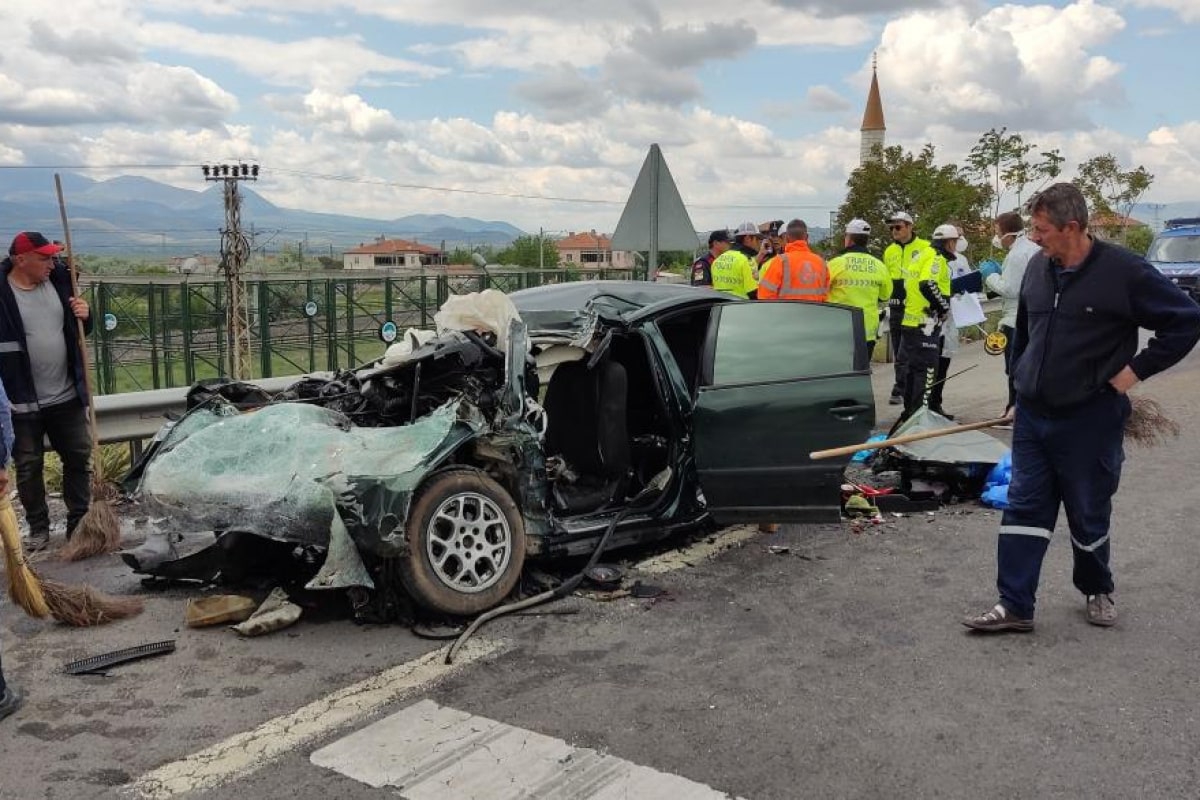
945 246
926 305
905 248
718 243
736 270
859 279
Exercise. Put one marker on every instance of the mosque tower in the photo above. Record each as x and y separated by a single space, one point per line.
872 124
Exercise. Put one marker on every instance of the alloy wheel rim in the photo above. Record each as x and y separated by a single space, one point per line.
469 542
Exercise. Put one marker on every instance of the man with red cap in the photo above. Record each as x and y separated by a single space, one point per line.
41 367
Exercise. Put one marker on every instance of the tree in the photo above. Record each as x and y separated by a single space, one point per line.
1111 190
1139 238
904 181
1003 163
526 252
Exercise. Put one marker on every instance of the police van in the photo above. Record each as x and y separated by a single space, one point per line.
1175 252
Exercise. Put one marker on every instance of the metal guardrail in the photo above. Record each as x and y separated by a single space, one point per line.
133 416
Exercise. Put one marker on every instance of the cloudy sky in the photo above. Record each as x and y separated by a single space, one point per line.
380 108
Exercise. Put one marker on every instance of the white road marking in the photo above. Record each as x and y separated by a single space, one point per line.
693 554
429 752
246 752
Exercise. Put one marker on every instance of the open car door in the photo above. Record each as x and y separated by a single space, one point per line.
778 381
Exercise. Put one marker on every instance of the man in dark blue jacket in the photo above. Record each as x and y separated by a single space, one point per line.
1075 355
42 369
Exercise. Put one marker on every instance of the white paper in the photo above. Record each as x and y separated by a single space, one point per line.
966 310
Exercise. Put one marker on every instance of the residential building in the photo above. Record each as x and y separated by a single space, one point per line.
390 254
1109 225
591 251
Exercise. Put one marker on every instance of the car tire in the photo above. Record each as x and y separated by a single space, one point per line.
466 543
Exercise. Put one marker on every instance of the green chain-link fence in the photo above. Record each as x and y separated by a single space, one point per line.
161 332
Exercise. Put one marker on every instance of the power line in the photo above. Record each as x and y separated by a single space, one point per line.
417 186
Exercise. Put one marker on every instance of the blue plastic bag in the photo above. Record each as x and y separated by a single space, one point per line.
995 488
863 455
995 496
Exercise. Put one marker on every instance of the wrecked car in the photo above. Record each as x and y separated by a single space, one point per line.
437 473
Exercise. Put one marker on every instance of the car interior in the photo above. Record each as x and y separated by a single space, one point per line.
607 430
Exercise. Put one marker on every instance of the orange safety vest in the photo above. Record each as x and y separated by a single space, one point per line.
797 274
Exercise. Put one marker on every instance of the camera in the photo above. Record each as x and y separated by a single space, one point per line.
772 241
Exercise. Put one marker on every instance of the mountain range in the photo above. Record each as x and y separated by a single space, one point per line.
131 215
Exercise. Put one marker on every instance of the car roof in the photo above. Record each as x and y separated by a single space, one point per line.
564 305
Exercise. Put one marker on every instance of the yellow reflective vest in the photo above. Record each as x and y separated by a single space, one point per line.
859 279
897 255
929 266
735 273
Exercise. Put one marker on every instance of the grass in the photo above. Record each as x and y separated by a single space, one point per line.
114 463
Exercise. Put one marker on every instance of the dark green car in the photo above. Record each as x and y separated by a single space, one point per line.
440 474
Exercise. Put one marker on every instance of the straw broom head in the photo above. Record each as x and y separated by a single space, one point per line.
23 586
98 532
83 606
1148 425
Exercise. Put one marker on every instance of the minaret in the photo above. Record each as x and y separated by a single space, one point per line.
872 124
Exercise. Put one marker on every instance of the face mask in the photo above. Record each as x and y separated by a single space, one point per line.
961 246
997 242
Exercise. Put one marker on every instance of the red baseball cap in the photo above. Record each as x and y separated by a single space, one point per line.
33 242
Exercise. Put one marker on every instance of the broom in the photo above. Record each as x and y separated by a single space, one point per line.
1148 425
23 586
98 531
77 606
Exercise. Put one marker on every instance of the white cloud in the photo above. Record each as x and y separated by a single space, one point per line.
325 62
1188 10
1027 67
822 99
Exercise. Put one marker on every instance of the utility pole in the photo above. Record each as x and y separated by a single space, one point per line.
235 250
541 249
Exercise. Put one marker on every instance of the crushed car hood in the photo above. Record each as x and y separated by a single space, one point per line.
303 474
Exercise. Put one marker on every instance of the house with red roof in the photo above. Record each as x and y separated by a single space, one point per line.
591 250
391 254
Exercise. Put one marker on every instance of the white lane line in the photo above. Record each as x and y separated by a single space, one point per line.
693 554
429 752
246 752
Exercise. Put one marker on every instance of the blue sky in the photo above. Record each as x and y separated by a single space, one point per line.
756 104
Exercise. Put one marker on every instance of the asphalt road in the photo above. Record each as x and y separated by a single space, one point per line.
837 669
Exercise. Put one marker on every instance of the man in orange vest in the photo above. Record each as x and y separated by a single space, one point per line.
797 273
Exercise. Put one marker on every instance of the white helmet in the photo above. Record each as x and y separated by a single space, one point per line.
946 231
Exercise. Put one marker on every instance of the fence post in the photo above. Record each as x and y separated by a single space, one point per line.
264 327
152 325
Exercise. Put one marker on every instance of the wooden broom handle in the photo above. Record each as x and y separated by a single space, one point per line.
850 449
87 367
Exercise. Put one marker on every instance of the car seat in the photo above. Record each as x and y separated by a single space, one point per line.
587 426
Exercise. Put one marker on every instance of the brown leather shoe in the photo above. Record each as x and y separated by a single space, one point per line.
1101 610
998 619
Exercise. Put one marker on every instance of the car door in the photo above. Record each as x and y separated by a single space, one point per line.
778 381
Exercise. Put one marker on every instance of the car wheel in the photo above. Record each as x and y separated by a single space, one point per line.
466 543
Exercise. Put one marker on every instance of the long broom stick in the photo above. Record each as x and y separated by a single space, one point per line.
98 531
851 449
1147 425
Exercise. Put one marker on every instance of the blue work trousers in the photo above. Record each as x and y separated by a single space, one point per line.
1071 459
